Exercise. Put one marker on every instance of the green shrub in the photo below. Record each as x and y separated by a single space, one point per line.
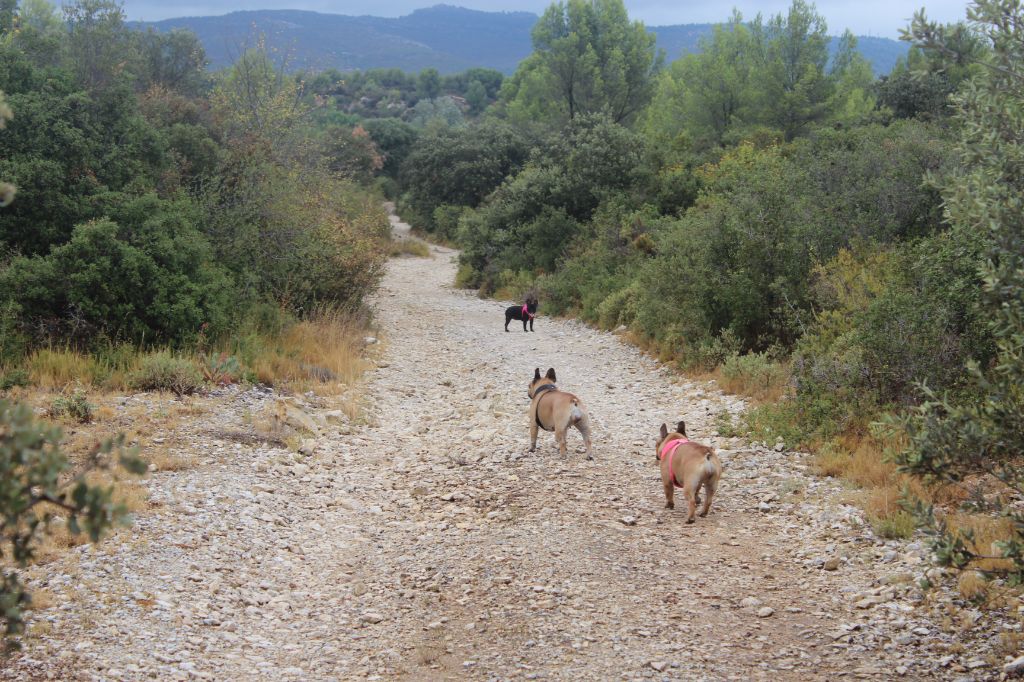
898 526
754 374
14 377
165 372
222 369
709 353
31 474
952 439
76 406
149 278
466 277
618 308
446 221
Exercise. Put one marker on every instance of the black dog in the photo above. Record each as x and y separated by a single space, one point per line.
526 313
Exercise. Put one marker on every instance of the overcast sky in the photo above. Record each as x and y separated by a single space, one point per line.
866 17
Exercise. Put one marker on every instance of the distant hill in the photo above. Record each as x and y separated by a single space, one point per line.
447 38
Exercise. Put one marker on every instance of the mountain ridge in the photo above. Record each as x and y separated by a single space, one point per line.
444 37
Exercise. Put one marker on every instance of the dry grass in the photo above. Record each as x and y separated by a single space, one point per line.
972 586
760 380
56 369
168 459
986 531
409 247
324 351
42 599
857 458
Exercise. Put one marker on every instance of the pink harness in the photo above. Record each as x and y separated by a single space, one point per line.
668 450
526 313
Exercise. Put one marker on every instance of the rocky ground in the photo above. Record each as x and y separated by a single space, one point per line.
425 542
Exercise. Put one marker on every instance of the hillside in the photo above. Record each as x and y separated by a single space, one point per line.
447 38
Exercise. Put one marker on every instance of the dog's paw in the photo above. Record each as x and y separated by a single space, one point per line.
689 520
702 514
669 505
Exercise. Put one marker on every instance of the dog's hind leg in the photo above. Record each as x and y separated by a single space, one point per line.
583 424
709 492
690 490
560 438
508 318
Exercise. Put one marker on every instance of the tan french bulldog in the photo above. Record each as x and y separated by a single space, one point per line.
687 465
555 410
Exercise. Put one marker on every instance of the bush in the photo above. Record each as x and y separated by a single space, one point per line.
147 278
980 434
12 378
446 221
459 166
619 307
31 469
164 372
222 369
755 374
76 406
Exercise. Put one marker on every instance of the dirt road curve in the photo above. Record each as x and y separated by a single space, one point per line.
428 544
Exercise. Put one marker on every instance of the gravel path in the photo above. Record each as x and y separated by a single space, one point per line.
429 544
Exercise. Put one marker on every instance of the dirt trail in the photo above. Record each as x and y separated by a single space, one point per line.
428 544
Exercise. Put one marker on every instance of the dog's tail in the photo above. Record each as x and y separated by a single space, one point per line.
709 466
575 414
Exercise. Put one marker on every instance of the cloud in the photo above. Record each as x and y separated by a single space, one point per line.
868 17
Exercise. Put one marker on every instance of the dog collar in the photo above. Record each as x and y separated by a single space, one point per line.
545 387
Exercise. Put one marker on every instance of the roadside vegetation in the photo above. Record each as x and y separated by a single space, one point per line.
165 229
843 249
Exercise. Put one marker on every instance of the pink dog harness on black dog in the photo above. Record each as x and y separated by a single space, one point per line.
526 313
668 450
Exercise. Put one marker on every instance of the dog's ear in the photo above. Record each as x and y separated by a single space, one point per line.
536 374
664 430
551 374
681 428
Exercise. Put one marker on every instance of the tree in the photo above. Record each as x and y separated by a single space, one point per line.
588 58
706 93
257 97
915 94
428 84
851 74
476 97
952 439
794 87
460 166
394 138
174 60
8 16
101 48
